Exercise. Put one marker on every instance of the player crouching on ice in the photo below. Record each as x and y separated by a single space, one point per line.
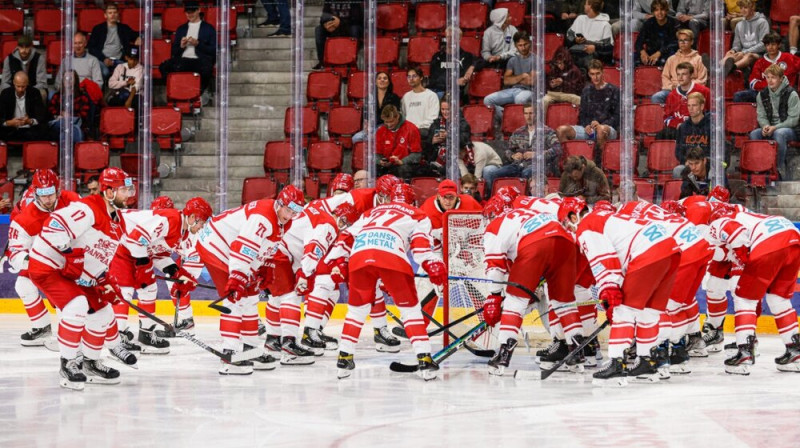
376 247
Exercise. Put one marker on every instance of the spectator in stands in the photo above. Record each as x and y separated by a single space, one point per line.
521 152
22 112
93 185
657 39
518 78
339 19
434 146
642 12
440 65
676 111
794 34
565 80
277 15
360 179
694 132
590 37
469 186
478 158
420 105
685 54
778 112
758 82
695 175
584 179
747 38
125 85
194 48
81 104
398 149
87 66
110 41
384 95
733 14
498 46
693 14
599 115
26 59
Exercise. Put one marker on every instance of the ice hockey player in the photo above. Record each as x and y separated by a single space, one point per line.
68 262
234 246
375 248
23 229
768 248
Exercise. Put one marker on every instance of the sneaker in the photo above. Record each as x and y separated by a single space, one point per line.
500 361
713 337
280 33
728 67
427 367
613 374
739 364
385 341
263 362
235 368
318 67
790 360
123 355
151 342
268 23
643 370
98 373
35 337
312 341
72 376
345 364
293 354
273 343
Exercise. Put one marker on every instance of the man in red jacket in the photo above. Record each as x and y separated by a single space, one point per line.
397 144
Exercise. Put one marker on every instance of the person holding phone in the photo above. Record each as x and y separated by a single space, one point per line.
590 37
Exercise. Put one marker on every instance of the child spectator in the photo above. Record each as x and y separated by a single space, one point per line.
590 37
685 53
758 81
747 38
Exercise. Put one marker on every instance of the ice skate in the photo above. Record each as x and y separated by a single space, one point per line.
613 374
500 361
679 358
235 368
121 354
72 376
294 355
660 354
345 364
643 370
273 343
98 373
261 328
427 367
263 362
713 337
400 332
553 346
575 364
629 354
312 342
555 353
385 342
35 337
331 343
790 361
696 346
592 354
152 343
126 340
739 364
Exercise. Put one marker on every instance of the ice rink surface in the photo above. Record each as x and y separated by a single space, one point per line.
179 400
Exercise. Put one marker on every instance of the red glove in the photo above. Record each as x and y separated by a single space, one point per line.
742 254
143 275
265 276
339 271
611 298
184 283
108 289
236 287
436 271
73 263
304 284
492 309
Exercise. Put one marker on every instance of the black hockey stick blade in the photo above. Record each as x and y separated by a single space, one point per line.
400 332
215 305
442 354
472 348
590 338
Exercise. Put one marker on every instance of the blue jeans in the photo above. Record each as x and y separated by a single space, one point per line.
108 71
745 96
660 97
513 170
77 132
279 10
512 95
782 136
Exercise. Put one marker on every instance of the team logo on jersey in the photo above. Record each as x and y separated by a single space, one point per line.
143 241
402 140
55 225
248 252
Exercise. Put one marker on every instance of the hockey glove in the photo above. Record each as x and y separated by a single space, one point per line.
304 285
143 274
108 289
436 271
742 254
73 263
611 298
339 271
236 288
185 282
492 309
265 275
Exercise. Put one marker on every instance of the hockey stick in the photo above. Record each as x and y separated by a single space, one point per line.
177 306
213 305
546 373
400 331
484 353
444 353
175 280
498 282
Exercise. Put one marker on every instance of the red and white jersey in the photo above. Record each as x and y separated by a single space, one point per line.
27 197
688 236
310 237
540 205
363 199
84 224
611 242
153 234
384 236
244 237
26 224
763 234
510 232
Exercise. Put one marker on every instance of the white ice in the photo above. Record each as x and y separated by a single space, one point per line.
180 400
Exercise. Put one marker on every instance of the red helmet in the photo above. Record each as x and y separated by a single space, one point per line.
403 193
162 203
723 210
198 207
342 181
347 211
604 206
384 184
674 207
570 204
114 177
494 207
508 194
719 194
293 198
45 182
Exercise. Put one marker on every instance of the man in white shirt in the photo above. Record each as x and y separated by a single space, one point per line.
420 105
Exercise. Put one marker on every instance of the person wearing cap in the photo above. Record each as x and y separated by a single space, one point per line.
447 198
126 81
194 47
111 40
22 111
25 59
338 19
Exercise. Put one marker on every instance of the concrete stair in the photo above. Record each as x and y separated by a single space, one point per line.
783 199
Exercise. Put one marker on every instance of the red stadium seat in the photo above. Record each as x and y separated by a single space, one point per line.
162 50
553 183
278 160
578 148
171 19
91 158
117 126
341 53
616 55
311 187
471 43
343 123
387 53
562 114
704 41
12 20
356 86
39 156
611 163
424 187
473 16
484 82
131 17
323 90
211 17
430 18
183 92
758 163
324 161
131 164
645 189
519 182
256 188
53 57
516 11
46 26
779 13
421 50
89 17
734 82
672 190
6 49
310 119
646 82
393 19
3 161
481 121
400 83
661 160
166 125
740 119
648 120
552 42
612 75
358 161
513 119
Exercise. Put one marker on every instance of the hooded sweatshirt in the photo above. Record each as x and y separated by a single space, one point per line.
496 40
594 30
669 74
572 77
748 34
773 117
34 67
